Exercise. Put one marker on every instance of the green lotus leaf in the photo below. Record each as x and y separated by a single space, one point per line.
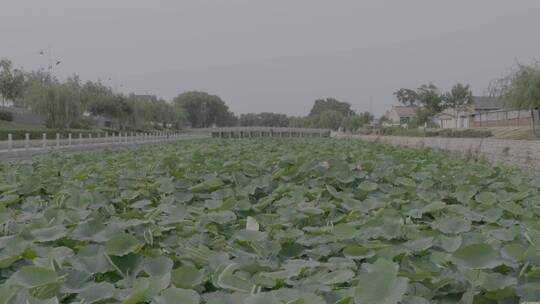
122 244
477 256
357 252
34 276
336 277
380 288
345 231
9 199
177 295
368 186
96 292
187 277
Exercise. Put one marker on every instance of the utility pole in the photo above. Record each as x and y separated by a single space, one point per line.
50 61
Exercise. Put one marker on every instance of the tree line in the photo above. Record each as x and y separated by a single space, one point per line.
72 103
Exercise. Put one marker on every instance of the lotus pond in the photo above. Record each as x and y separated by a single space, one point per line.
275 221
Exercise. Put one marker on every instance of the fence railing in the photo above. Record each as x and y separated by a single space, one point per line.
249 132
75 141
80 140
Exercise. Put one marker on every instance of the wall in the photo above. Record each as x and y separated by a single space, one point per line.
394 117
513 122
522 153
22 116
501 118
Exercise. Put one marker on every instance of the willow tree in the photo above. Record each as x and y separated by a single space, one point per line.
521 89
58 102
11 82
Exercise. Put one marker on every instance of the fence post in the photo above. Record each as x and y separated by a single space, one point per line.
58 140
80 139
44 140
69 139
89 138
10 142
26 141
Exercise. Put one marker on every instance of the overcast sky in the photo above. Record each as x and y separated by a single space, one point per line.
275 55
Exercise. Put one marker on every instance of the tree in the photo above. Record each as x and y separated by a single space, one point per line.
203 110
58 102
300 122
355 122
249 120
407 97
431 100
98 99
521 89
330 119
383 119
459 98
321 105
265 119
11 82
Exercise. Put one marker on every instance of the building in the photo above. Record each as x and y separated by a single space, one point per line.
401 115
486 104
467 118
447 119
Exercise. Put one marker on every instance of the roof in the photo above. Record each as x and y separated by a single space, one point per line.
487 103
444 116
403 111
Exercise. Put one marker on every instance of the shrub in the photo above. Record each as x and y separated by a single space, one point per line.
83 123
5 115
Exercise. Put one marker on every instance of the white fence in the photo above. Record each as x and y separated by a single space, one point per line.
248 132
79 140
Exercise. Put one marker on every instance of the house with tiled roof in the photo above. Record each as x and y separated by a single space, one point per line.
401 115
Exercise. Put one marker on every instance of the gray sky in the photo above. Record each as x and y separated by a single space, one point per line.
275 55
